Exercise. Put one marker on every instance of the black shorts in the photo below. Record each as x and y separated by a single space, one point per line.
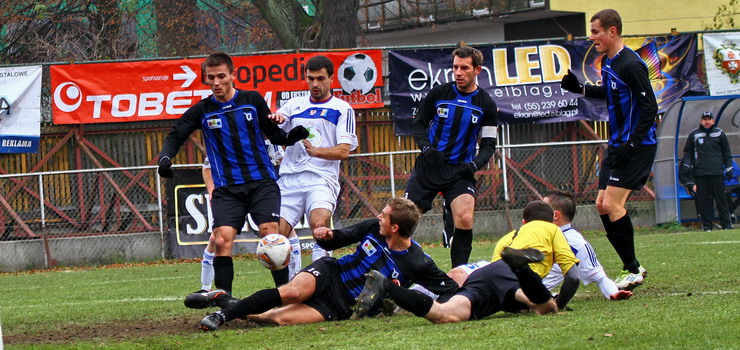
331 299
427 180
632 176
491 289
230 204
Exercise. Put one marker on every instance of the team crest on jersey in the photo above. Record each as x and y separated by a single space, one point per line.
614 85
248 116
474 119
700 141
214 123
727 60
369 248
442 112
312 112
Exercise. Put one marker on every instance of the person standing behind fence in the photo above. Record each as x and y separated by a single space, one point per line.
707 150
732 185
446 129
309 172
632 108
233 123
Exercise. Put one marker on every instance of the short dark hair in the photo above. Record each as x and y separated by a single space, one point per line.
537 210
405 214
563 202
467 51
218 58
609 18
315 63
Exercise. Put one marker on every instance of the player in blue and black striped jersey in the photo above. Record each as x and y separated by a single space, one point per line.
632 137
446 128
326 289
233 123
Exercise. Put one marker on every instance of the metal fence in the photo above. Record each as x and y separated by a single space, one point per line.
118 202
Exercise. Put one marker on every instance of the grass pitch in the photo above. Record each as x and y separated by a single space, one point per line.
690 299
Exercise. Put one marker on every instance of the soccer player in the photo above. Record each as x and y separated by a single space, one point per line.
309 172
588 268
504 285
446 128
326 289
233 123
632 138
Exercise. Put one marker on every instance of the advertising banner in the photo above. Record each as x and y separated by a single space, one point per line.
722 59
524 78
20 109
153 90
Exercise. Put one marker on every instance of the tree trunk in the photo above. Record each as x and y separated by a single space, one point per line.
286 18
338 24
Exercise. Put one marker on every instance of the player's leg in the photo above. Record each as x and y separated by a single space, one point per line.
723 209
223 264
448 224
622 236
295 264
319 217
546 307
289 315
206 265
264 207
704 205
292 208
463 207
518 261
457 309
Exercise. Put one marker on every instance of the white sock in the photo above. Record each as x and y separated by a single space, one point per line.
295 257
318 252
607 286
206 270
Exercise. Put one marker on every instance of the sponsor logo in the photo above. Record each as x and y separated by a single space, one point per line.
369 248
4 108
214 123
443 112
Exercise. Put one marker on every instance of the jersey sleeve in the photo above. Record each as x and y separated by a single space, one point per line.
285 110
429 276
275 134
423 117
346 128
488 134
350 235
186 125
563 254
636 77
502 242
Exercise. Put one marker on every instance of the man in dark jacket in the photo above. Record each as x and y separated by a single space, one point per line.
707 151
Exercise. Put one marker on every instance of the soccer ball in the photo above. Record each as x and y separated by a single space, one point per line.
358 72
273 252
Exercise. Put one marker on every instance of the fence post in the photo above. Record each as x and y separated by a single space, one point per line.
41 201
159 210
393 178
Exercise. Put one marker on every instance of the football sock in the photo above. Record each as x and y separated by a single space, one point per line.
622 239
531 284
295 257
607 286
410 300
607 223
223 271
462 245
318 252
206 270
256 303
280 277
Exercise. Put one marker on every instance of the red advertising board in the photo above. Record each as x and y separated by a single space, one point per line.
153 90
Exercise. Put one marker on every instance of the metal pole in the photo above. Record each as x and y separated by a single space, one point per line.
393 178
41 201
159 210
504 154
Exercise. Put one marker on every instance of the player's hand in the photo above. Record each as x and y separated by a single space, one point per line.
621 155
467 170
310 149
433 155
296 134
165 167
276 118
570 82
323 233
728 174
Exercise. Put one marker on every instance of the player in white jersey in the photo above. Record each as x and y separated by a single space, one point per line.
309 172
589 270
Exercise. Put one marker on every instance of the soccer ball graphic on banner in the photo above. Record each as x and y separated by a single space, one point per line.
273 252
358 72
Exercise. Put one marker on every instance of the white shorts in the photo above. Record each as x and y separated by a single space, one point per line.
303 192
469 268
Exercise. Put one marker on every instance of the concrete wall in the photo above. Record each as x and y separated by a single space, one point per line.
77 251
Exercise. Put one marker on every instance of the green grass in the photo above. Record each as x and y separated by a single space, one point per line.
690 300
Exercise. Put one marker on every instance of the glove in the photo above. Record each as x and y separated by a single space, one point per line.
165 167
728 174
467 170
433 155
621 156
296 134
570 82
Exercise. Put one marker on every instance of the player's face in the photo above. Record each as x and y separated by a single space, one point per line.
319 84
386 227
707 123
601 36
221 82
465 73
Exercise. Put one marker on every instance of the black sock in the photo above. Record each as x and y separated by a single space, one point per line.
531 284
410 300
223 271
280 277
622 239
256 303
607 223
462 245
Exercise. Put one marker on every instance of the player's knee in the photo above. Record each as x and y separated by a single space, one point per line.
445 319
289 295
464 220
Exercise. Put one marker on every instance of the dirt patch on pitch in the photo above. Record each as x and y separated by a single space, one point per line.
118 331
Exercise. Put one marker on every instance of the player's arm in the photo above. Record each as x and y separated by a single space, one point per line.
568 289
346 139
208 180
571 83
432 278
188 122
343 237
489 132
274 133
338 152
421 121
636 77
563 253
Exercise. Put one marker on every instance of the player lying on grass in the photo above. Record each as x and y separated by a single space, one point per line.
326 289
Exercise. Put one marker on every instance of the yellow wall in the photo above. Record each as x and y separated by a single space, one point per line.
651 17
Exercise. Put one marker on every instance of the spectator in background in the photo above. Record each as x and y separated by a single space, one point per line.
707 153
732 185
